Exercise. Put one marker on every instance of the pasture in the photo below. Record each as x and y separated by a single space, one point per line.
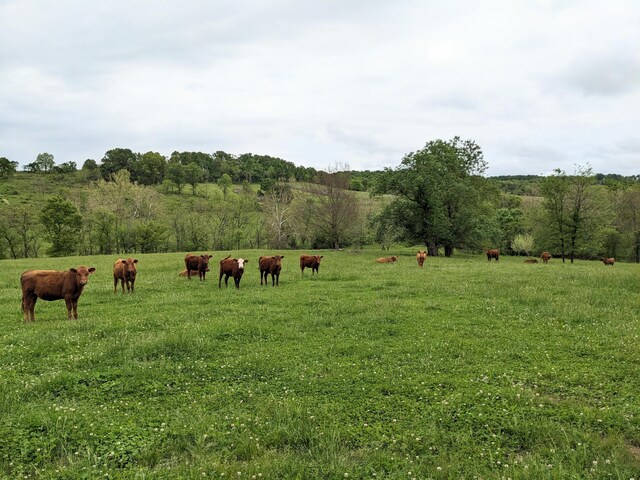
462 369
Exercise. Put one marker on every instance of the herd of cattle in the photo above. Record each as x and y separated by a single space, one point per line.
68 284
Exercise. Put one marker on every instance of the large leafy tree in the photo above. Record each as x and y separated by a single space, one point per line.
149 168
62 223
7 167
117 159
440 195
568 205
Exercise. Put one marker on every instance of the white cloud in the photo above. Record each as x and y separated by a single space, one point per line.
537 84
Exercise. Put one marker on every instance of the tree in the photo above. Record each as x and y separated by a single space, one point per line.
66 167
277 207
225 182
522 243
149 168
441 198
116 159
90 169
336 208
45 162
194 174
629 218
176 174
7 167
568 205
62 223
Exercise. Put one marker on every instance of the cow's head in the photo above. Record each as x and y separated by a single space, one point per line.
129 265
204 261
82 274
278 259
241 262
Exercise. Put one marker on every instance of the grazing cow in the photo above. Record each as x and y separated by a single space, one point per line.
193 272
270 265
531 260
310 261
421 256
493 253
546 256
125 271
387 259
53 285
199 263
609 261
231 267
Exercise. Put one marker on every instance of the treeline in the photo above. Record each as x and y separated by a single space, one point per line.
437 197
119 216
529 185
181 168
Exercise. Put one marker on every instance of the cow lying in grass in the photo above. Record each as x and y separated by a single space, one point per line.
387 259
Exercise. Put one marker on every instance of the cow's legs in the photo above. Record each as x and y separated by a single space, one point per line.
69 303
75 309
29 305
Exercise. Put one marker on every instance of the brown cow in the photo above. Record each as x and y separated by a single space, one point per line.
493 253
546 256
387 259
609 261
231 267
270 265
125 271
53 285
199 263
421 256
531 260
310 261
193 272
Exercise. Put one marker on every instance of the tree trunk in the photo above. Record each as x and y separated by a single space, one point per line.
448 250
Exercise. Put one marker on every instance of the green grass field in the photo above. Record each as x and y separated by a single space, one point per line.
463 369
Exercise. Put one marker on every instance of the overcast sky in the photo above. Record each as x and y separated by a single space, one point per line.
537 84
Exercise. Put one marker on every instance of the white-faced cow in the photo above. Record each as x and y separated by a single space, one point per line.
231 267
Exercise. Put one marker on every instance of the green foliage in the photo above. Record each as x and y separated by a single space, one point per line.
7 168
522 244
225 182
176 174
462 369
62 223
440 195
115 160
149 168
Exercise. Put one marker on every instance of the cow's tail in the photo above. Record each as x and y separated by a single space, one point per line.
225 258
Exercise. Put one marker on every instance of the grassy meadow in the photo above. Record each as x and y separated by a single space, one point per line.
462 369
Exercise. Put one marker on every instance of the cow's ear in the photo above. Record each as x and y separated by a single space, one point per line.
321 256
135 260
73 270
92 269
123 261
281 256
246 261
